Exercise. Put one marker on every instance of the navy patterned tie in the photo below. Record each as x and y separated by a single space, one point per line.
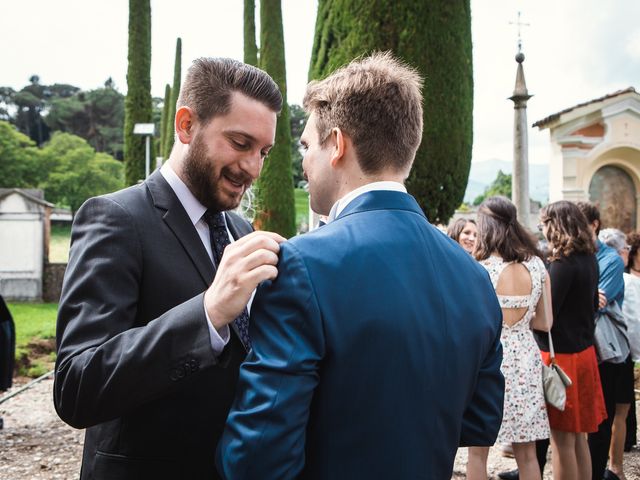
219 240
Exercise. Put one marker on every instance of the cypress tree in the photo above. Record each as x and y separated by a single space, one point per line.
250 48
138 104
175 92
163 120
275 200
435 37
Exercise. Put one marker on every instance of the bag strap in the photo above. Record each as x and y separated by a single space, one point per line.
552 353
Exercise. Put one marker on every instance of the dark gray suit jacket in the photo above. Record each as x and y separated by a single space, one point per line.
135 364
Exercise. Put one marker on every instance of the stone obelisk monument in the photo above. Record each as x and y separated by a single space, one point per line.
520 178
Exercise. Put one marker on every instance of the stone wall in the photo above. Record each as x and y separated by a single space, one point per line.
52 281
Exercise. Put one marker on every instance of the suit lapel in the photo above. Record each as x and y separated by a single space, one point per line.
180 224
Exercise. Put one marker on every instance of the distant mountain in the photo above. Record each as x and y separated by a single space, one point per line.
483 173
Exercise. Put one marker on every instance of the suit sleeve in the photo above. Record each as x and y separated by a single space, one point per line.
108 364
265 433
483 416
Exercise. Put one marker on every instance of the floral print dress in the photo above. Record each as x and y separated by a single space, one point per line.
525 412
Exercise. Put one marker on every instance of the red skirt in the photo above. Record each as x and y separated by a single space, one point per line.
585 408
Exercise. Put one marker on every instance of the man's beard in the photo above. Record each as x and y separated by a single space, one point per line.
203 181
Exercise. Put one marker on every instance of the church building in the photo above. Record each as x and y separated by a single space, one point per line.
595 156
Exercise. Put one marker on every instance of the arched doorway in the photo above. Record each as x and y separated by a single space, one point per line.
612 189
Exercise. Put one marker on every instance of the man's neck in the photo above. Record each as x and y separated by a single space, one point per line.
354 181
343 201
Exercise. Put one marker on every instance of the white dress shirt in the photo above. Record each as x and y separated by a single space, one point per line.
341 204
195 210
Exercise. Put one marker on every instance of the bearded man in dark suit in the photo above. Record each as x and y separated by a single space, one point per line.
152 324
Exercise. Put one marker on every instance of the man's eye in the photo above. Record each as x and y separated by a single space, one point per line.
240 145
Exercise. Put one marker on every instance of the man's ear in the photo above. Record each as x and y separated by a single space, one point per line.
184 123
339 143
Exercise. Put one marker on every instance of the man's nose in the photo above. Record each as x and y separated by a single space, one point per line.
252 164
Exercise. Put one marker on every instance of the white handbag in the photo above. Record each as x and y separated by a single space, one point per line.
554 381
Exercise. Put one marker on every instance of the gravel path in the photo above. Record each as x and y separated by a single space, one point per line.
36 444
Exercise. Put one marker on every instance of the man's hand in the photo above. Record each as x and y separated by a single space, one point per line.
245 263
602 299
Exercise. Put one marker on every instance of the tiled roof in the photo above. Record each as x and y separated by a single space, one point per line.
27 193
551 118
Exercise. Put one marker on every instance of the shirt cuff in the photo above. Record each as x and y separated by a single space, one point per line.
219 339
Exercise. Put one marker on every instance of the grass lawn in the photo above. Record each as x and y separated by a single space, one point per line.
35 336
59 243
302 207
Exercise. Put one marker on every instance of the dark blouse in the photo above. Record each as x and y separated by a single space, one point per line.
574 297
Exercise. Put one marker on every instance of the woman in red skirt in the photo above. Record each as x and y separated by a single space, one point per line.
574 292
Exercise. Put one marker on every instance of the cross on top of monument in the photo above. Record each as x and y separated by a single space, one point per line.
519 24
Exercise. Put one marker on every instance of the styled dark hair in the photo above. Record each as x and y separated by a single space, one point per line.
567 229
499 231
210 82
591 213
455 229
377 101
633 240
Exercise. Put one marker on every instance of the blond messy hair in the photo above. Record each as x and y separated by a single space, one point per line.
377 102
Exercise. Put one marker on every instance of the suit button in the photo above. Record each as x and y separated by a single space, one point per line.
194 365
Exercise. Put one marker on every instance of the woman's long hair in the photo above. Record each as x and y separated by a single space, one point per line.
567 229
499 231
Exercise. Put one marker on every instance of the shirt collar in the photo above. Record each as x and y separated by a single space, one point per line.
192 206
341 204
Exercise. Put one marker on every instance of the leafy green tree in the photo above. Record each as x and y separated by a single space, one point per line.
275 199
96 115
27 108
30 104
76 172
175 92
297 119
163 120
6 102
19 159
435 37
250 48
138 107
500 186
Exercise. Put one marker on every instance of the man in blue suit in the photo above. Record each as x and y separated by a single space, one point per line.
376 351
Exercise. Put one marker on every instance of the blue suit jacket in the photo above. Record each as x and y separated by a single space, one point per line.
376 353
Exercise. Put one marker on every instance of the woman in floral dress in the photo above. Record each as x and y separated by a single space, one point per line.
510 255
